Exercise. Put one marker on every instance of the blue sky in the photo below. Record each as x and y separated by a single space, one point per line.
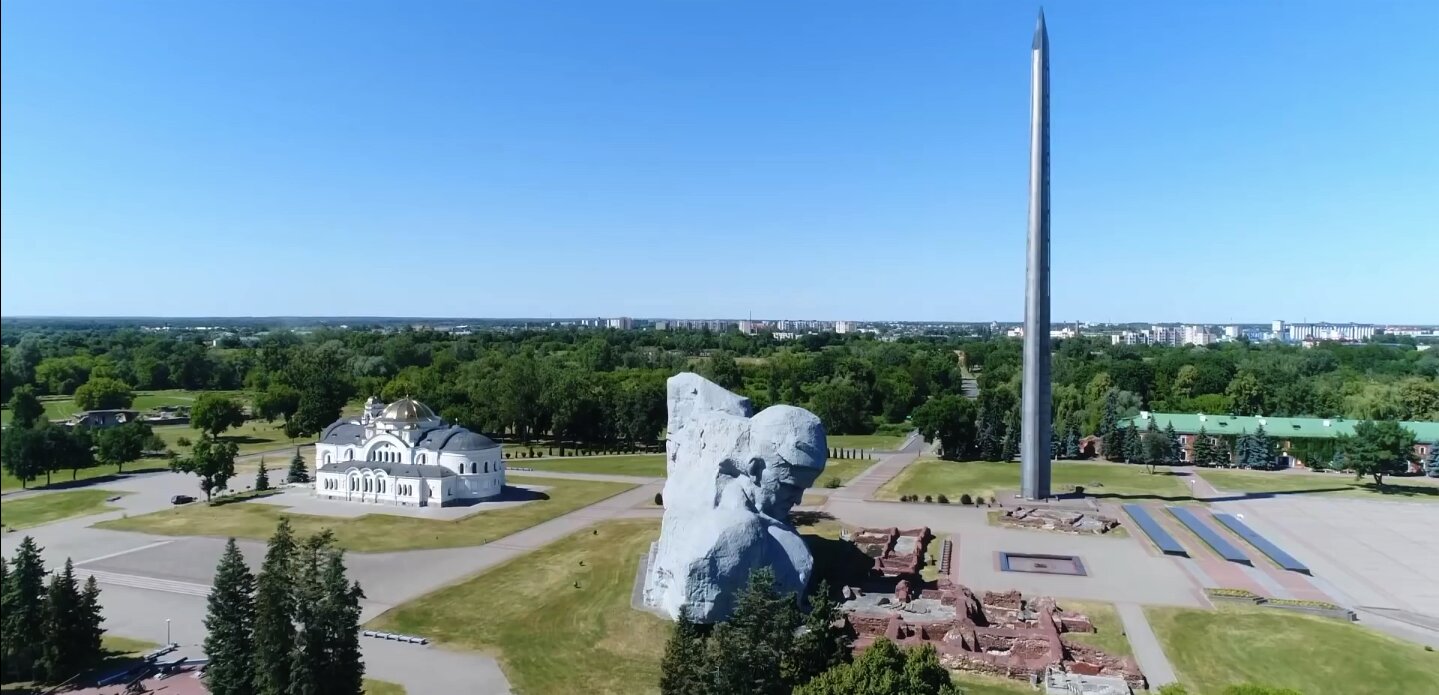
1212 161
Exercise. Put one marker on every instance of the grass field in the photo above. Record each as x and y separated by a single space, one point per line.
62 407
1337 484
648 465
1109 630
97 474
934 477
376 687
843 470
43 509
374 532
881 442
1316 656
251 437
978 684
548 635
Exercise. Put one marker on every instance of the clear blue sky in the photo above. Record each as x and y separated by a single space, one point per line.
1212 161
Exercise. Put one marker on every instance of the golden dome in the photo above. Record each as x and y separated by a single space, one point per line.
407 410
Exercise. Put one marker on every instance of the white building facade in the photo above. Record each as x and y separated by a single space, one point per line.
403 454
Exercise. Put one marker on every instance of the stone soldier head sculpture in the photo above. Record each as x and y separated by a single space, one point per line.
733 478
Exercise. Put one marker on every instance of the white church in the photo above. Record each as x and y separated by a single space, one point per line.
403 454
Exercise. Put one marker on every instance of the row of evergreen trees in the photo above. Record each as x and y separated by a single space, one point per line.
293 629
769 647
50 633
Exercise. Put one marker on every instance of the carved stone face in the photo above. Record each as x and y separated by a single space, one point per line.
732 482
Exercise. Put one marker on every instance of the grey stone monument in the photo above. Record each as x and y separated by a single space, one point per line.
1034 454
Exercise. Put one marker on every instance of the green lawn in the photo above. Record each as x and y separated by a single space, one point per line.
98 473
252 437
1338 484
62 407
979 684
881 442
653 466
374 532
1109 630
43 509
648 465
1316 656
843 470
376 687
549 636
935 477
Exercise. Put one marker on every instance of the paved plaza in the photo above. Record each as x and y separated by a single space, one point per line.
300 499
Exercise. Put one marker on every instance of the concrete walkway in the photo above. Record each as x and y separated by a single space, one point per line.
866 484
1147 650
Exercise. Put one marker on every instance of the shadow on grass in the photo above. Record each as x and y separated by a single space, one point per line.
510 493
100 479
111 662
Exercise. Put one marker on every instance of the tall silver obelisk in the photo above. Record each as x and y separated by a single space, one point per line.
1034 454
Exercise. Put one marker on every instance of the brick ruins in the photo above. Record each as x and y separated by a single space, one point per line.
1062 520
1002 634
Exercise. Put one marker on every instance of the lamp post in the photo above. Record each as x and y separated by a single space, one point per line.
167 632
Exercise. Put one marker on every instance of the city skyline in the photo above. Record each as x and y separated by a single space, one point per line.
875 155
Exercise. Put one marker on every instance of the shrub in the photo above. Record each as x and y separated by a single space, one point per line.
966 499
928 499
833 483
942 499
182 441
659 500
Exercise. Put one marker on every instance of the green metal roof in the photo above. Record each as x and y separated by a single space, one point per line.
1287 427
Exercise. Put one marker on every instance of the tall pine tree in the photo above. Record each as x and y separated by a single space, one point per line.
1176 449
340 614
92 620
823 643
1133 445
1431 466
274 632
747 653
230 625
1110 432
24 612
1071 443
1009 446
5 646
1203 449
62 652
262 477
326 659
1261 450
682 668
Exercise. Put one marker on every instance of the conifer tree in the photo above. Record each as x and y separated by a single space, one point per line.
262 477
1071 444
1431 467
823 644
1133 445
92 620
340 614
747 653
326 659
1114 444
274 614
1009 446
1203 449
229 625
299 472
1224 452
1176 448
5 646
1261 450
24 611
62 647
682 669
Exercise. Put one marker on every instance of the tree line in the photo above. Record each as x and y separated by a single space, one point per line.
48 632
31 446
603 387
769 646
291 629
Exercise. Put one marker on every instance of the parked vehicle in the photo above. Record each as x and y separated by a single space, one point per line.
181 499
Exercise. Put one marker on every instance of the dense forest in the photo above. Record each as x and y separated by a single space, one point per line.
608 386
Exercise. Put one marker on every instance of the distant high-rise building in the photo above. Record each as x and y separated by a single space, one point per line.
622 323
662 325
1231 332
746 326
843 326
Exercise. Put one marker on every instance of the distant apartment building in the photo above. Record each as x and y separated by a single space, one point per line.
1164 335
843 326
623 323
662 325
781 325
1346 332
746 326
1231 332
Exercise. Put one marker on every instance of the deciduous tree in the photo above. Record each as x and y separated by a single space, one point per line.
885 669
213 413
1378 449
950 419
25 407
211 460
120 445
102 393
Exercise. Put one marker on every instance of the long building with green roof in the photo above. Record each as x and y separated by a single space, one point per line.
1280 429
